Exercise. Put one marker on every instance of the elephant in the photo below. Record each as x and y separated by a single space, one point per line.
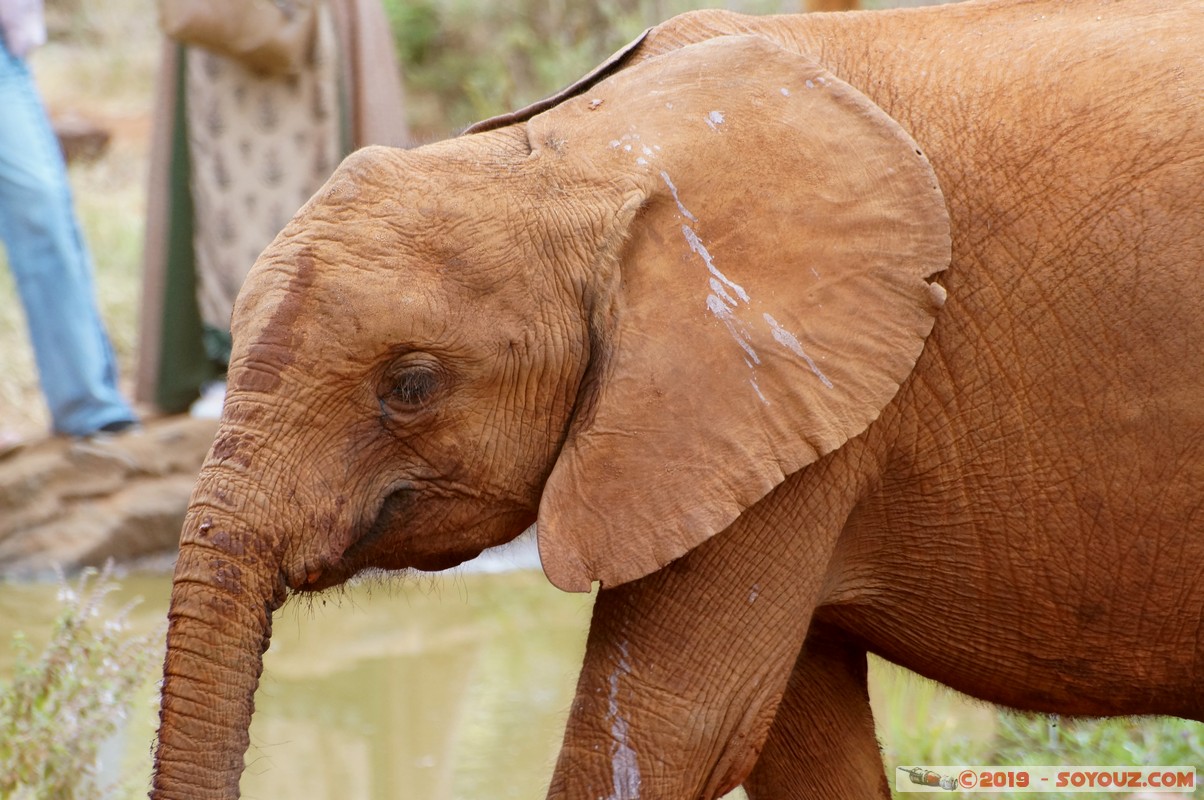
798 338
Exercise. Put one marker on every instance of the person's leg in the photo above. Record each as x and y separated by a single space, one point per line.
51 264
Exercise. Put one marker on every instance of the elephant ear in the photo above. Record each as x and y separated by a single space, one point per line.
765 298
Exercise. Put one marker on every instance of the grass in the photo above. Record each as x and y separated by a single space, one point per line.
921 723
63 703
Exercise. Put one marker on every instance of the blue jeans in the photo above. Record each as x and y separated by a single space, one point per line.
51 264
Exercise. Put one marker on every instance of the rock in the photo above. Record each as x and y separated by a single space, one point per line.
80 138
74 503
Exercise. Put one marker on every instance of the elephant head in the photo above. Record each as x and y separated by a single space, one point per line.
628 316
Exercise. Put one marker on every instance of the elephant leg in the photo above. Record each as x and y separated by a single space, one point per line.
684 668
822 745
678 688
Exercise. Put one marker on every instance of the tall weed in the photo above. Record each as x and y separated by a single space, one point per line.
63 703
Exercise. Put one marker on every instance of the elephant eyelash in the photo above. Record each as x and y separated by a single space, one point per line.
410 388
415 387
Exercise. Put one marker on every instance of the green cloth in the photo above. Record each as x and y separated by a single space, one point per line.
184 363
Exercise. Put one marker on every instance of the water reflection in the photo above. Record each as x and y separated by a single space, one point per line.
436 687
454 689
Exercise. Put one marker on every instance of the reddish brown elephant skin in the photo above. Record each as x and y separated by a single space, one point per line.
448 343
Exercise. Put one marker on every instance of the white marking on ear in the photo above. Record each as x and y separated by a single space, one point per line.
718 289
698 247
685 212
757 389
786 338
738 332
726 295
624 766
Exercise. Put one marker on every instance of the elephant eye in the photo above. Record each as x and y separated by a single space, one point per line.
414 386
410 388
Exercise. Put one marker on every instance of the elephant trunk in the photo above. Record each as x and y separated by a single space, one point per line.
219 624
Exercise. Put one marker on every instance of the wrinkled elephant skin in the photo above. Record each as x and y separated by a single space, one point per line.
805 337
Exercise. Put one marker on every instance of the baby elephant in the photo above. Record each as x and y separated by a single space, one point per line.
804 336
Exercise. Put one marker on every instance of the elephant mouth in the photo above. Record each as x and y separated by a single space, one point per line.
361 553
390 541
390 516
411 530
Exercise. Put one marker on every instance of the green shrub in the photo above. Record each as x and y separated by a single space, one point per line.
464 60
61 705
921 723
1037 739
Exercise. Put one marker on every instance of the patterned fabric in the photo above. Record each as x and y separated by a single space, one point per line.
177 353
259 148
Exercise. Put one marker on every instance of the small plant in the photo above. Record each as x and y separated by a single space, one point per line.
1036 739
921 723
61 705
